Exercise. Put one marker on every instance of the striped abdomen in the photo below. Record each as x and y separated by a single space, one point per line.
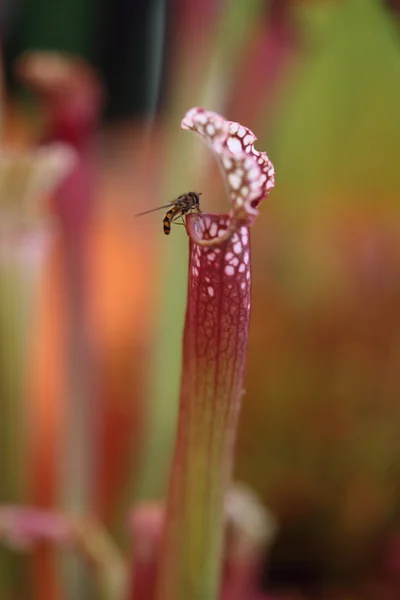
168 218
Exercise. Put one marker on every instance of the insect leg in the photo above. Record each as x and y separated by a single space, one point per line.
175 220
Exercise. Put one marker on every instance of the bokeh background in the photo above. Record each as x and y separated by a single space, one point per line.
318 81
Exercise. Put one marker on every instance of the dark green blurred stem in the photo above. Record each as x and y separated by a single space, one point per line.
104 557
19 276
155 61
24 528
134 44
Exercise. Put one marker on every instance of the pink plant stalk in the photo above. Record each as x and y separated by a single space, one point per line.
146 523
22 528
272 48
250 532
214 356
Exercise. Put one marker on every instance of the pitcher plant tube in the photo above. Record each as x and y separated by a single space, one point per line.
214 356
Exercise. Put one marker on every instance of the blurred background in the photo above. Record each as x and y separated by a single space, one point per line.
90 326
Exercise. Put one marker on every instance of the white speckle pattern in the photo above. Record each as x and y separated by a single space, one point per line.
234 145
233 252
237 248
219 295
217 320
249 173
227 162
235 180
229 140
213 229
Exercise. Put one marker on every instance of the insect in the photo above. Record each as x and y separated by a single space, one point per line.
184 204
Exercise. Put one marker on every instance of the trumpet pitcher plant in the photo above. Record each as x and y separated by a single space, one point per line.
214 358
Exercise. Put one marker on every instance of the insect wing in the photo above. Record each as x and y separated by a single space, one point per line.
146 212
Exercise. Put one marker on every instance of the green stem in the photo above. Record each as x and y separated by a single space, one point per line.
215 342
192 561
18 286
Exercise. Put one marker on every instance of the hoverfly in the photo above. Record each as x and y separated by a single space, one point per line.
184 204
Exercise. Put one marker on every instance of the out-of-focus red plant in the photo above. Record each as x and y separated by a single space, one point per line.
71 97
70 94
146 524
214 355
27 234
88 256
90 253
250 531
248 534
272 48
393 4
